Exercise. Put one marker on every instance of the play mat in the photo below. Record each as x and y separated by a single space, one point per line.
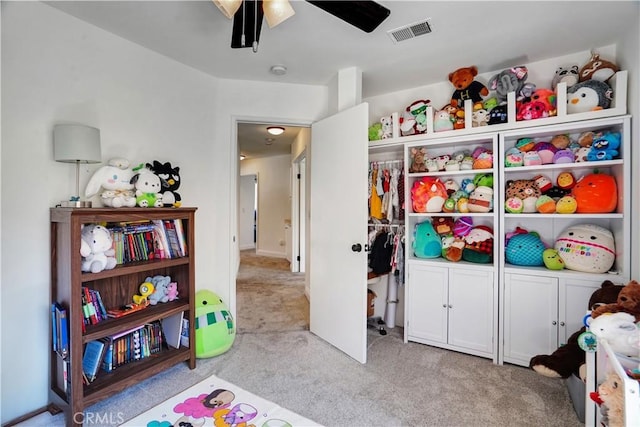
215 402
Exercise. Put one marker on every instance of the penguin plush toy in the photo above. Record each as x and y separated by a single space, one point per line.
590 95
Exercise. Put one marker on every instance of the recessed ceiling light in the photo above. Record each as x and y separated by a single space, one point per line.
278 70
275 130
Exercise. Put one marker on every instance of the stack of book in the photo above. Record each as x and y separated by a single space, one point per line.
93 309
111 352
143 241
60 343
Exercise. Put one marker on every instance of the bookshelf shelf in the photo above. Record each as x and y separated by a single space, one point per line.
132 373
116 288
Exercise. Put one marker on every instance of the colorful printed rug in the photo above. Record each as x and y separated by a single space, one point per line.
215 402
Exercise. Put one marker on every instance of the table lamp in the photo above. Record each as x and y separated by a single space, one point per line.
76 144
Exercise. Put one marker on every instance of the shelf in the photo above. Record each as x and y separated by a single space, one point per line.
442 262
112 326
565 166
125 376
451 214
135 267
618 108
535 215
450 173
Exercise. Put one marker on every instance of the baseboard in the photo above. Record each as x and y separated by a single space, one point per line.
50 408
271 254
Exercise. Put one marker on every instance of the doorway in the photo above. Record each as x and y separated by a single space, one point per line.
271 200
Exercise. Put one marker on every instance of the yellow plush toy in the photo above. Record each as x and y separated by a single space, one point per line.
146 289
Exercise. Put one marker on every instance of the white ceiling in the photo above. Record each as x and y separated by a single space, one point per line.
314 45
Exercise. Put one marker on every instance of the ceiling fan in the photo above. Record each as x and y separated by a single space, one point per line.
248 14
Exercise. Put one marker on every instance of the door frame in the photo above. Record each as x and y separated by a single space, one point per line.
234 200
298 205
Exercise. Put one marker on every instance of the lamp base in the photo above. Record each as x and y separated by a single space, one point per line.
75 204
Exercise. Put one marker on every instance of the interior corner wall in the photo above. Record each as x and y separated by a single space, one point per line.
629 59
274 201
56 69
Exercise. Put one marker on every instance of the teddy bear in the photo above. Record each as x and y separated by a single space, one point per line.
96 249
161 288
628 301
611 396
114 180
170 179
418 160
569 359
148 186
463 79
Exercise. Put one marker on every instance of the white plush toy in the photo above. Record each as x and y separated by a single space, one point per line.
114 180
620 331
96 249
148 186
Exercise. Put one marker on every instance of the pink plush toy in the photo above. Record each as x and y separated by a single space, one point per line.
172 291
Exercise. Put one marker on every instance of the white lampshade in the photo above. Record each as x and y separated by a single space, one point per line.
277 11
76 144
228 7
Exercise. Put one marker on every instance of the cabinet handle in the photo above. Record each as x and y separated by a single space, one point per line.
561 323
356 247
554 323
444 305
450 306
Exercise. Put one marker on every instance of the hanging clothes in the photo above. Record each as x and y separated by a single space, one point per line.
375 203
381 253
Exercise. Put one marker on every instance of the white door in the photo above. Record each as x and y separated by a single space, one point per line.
427 302
530 317
337 230
471 310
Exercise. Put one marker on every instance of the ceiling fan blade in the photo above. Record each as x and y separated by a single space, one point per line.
251 27
365 15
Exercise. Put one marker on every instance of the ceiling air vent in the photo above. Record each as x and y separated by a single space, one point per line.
410 31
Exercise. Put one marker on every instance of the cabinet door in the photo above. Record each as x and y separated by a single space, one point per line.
573 304
471 309
427 303
530 317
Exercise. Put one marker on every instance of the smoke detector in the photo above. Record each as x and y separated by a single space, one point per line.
410 31
278 70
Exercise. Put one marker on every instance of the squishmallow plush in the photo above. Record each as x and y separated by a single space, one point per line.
586 247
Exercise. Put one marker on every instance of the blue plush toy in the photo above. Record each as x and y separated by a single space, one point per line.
426 242
525 248
604 147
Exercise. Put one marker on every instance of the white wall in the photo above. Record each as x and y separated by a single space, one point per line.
274 201
246 203
56 68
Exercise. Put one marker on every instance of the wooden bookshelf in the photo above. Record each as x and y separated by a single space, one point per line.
116 287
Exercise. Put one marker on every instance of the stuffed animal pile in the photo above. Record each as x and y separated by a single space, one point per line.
569 359
164 290
587 87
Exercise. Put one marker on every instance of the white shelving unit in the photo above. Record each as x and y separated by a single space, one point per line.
543 307
441 296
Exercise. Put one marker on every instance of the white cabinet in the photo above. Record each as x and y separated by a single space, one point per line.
543 307
541 313
451 308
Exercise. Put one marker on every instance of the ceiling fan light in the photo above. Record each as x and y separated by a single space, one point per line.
275 130
277 11
228 7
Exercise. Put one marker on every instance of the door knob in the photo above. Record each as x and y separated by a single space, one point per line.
356 247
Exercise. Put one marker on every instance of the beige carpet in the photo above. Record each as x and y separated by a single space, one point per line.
270 298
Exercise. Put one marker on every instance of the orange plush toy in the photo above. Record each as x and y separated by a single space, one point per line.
466 87
628 301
